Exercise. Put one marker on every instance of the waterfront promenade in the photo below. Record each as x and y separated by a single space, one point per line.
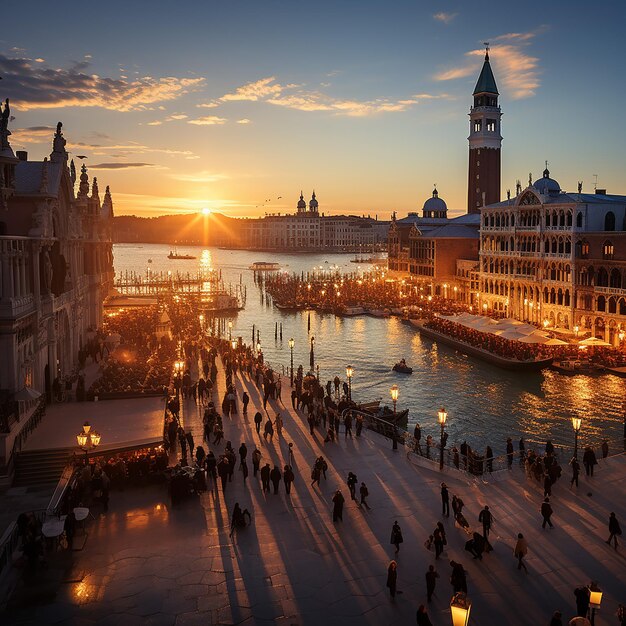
145 562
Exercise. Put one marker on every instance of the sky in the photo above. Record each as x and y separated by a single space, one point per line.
238 106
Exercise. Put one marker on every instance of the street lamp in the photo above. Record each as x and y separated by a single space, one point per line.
312 354
292 343
233 343
595 599
576 422
87 439
395 392
230 330
442 416
349 374
258 346
460 606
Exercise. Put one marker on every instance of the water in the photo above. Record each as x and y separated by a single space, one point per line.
485 404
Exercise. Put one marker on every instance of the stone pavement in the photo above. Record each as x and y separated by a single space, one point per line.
148 563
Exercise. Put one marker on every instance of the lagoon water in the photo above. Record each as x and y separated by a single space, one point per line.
485 404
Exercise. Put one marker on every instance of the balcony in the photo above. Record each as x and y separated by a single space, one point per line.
13 308
610 291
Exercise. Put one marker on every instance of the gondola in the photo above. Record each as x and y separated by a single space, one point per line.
402 368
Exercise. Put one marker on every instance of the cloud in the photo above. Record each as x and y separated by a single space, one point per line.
172 118
245 120
38 86
444 17
208 105
124 150
208 120
32 134
256 90
516 71
119 166
294 96
155 123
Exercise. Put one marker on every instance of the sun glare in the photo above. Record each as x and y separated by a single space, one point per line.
206 211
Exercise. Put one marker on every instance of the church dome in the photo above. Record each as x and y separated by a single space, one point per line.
547 185
313 204
434 204
301 202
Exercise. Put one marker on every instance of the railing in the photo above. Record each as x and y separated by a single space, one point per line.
10 541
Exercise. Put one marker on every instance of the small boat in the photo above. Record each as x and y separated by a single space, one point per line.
350 311
570 367
264 266
402 368
175 256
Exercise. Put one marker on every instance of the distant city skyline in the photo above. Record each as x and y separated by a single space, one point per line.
237 108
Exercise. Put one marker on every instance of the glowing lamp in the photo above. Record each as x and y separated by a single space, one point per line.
258 346
442 416
86 428
395 392
95 439
233 343
81 438
546 323
460 609
292 343
595 596
576 423
349 371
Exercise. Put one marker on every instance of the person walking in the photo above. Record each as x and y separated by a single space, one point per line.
431 581
445 500
316 474
547 485
509 452
392 578
222 470
338 501
486 518
575 471
458 579
352 481
614 530
275 477
278 423
520 551
417 436
256 461
245 400
605 448
243 453
582 600
269 430
546 513
364 494
258 419
421 618
288 477
589 460
265 477
347 423
396 536
438 542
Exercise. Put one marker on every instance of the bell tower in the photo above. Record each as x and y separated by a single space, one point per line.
485 142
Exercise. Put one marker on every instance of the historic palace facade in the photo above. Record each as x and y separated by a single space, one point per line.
557 259
56 268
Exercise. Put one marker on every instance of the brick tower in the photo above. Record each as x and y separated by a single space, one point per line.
485 141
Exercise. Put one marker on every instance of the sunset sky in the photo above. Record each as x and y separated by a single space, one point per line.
231 105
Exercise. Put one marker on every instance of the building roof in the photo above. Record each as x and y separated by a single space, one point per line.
470 219
566 198
28 175
453 231
486 82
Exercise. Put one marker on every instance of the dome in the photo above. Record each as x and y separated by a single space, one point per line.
301 202
434 204
313 204
547 185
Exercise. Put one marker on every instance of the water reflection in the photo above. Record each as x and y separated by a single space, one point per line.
484 404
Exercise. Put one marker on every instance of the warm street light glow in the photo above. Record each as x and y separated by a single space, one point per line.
349 371
95 439
546 323
234 344
442 415
395 391
576 422
460 609
86 428
291 343
258 346
81 438
595 596
88 438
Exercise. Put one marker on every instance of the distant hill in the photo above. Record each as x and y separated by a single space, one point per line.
190 228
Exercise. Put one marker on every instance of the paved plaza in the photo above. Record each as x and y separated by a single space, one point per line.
145 562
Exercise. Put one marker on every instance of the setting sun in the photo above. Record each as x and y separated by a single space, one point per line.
206 211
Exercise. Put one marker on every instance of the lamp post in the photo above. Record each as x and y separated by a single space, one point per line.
442 416
595 599
292 343
312 355
460 606
349 374
87 440
395 392
576 422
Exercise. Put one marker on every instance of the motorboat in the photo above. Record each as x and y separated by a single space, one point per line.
264 266
175 256
402 368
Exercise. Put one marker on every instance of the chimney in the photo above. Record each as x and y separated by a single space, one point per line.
601 192
22 155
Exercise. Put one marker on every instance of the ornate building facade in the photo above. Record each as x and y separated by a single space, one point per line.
56 268
308 230
557 259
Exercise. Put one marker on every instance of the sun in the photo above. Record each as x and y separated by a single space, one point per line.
206 211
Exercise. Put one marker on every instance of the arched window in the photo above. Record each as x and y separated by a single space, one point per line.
579 220
607 250
609 221
601 304
584 249
602 278
615 279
